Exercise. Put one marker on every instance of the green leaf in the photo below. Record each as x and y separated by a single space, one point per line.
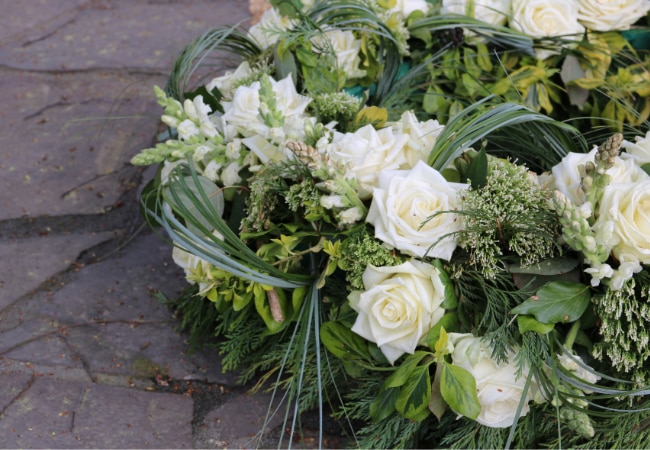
437 404
557 302
458 389
478 169
449 322
342 342
264 310
450 301
403 372
529 323
285 65
548 267
182 198
413 398
646 168
384 404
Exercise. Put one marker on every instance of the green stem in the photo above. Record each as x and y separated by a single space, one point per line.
573 333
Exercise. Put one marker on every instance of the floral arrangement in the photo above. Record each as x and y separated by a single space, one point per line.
451 270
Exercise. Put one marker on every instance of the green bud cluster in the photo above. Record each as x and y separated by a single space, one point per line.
339 107
268 106
594 174
577 231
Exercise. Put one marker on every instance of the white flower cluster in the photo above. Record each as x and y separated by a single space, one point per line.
553 18
622 222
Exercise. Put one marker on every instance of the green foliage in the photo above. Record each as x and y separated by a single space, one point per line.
508 215
625 320
359 249
557 302
339 107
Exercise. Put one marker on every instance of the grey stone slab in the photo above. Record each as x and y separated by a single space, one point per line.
120 288
52 413
39 342
11 386
137 34
42 416
32 20
27 263
67 141
241 422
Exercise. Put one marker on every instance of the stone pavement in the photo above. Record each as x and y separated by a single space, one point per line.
88 357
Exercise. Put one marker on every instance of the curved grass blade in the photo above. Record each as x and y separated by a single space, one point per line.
483 118
193 56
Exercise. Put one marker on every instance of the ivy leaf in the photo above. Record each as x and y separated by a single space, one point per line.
458 389
413 399
343 342
529 323
557 301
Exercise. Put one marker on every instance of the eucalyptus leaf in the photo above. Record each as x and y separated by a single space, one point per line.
557 302
458 389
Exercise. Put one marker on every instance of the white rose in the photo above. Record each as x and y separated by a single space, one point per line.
624 220
546 18
498 389
639 150
495 12
226 82
608 15
404 200
345 47
399 306
265 31
422 136
567 179
366 152
406 7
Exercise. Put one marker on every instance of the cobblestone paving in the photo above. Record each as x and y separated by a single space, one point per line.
88 357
